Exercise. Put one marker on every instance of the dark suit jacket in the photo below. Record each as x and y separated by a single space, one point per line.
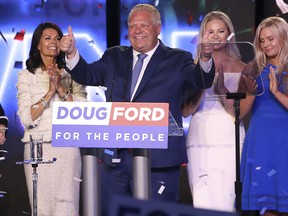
3 118
168 74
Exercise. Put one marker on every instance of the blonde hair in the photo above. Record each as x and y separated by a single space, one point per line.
280 28
231 48
149 8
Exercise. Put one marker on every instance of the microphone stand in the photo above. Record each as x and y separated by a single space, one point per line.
34 161
238 184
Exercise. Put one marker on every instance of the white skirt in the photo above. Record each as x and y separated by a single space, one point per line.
211 153
58 185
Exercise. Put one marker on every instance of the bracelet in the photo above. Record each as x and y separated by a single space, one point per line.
64 98
44 103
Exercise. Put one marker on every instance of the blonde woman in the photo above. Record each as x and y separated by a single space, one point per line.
211 135
264 163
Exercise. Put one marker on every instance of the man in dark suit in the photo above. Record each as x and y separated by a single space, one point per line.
165 75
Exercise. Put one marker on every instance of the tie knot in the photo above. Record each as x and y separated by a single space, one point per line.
141 56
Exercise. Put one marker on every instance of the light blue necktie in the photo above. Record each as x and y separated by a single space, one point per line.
136 70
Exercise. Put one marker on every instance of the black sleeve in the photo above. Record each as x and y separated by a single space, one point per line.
3 118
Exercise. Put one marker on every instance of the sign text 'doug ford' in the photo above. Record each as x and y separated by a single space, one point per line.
110 124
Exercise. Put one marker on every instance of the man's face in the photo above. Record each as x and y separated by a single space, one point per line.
142 32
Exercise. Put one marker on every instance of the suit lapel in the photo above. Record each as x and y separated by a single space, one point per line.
128 55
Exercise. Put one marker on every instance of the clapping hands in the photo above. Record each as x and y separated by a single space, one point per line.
273 85
219 86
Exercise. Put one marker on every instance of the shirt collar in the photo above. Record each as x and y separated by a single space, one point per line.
150 53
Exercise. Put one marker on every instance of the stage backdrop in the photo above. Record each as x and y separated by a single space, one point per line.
19 18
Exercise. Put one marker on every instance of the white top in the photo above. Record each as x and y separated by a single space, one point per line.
31 88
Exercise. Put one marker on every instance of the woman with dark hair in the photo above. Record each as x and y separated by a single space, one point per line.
35 57
3 125
38 87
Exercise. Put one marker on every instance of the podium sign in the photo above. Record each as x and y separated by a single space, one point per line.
110 125
127 206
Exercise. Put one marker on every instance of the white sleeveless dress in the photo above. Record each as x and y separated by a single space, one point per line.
211 151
